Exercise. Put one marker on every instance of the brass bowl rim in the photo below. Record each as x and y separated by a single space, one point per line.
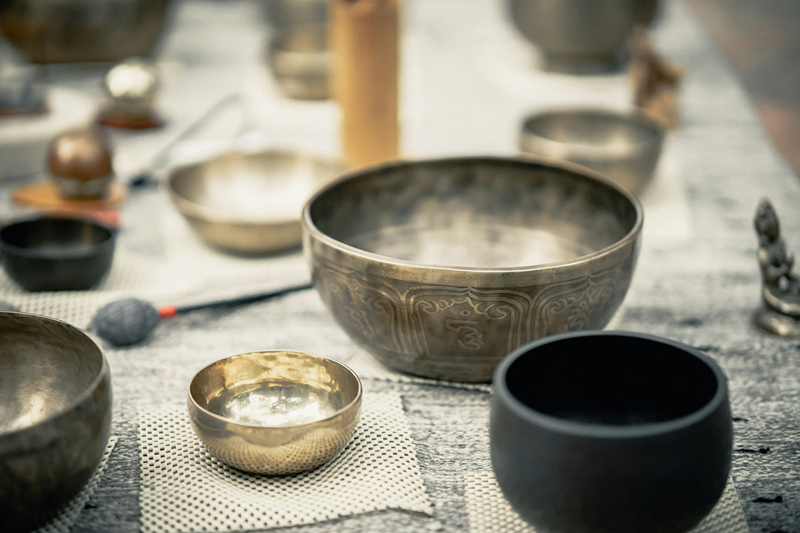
104 370
190 208
632 118
356 400
344 248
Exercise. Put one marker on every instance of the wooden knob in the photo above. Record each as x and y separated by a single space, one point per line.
80 155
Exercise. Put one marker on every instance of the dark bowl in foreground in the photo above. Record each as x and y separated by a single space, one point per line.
56 253
55 390
440 268
611 431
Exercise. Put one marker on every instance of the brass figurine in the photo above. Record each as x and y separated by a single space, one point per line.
780 310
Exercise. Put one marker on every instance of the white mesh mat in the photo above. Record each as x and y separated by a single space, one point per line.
490 512
63 521
184 488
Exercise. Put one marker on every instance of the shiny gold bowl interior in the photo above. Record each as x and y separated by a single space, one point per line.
275 412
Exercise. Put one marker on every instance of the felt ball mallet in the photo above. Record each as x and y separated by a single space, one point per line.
130 321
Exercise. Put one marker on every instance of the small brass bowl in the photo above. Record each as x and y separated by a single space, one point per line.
275 412
623 145
249 203
55 416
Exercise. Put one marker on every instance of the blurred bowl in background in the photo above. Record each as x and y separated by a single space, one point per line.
580 36
69 31
56 253
55 389
300 60
623 145
249 203
287 14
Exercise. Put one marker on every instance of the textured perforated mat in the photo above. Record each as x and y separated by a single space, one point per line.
184 488
62 522
490 512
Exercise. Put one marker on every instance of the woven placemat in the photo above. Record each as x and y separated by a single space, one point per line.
184 488
490 512
63 521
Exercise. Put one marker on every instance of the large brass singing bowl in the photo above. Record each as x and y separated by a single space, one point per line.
275 412
55 416
249 203
622 144
440 268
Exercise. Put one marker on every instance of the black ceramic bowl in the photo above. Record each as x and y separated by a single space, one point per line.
53 253
610 431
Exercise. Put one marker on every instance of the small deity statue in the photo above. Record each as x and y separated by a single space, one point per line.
780 312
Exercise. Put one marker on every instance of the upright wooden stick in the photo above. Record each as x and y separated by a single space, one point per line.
365 43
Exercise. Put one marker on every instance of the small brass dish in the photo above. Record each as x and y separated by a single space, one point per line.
275 412
249 203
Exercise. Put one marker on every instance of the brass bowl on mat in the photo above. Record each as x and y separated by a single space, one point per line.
440 268
55 393
275 412
249 203
623 145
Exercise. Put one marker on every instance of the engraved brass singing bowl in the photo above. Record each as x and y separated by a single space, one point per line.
275 412
623 145
55 416
440 268
249 203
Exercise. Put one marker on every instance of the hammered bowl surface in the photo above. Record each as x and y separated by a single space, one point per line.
440 268
275 412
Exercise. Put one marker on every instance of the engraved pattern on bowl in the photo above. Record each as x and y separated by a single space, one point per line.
555 246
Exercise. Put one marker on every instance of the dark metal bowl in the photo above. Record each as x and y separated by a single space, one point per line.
609 432
55 393
54 253
66 31
441 268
